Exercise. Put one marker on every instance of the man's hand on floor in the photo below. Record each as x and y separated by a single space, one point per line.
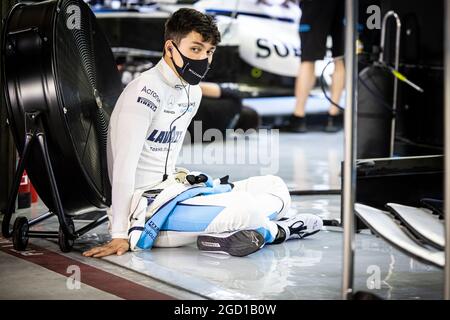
115 246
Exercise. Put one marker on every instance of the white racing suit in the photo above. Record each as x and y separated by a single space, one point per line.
152 115
185 211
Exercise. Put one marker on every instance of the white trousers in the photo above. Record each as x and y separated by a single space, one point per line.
254 203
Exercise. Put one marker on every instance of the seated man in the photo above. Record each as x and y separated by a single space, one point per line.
145 135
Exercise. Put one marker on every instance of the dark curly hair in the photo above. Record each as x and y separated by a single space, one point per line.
185 20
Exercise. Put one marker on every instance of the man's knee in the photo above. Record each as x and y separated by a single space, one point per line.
241 213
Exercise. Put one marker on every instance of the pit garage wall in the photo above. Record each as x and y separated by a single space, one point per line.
7 147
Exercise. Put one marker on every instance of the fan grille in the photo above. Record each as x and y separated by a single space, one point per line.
89 85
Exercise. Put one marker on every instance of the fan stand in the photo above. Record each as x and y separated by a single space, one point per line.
21 233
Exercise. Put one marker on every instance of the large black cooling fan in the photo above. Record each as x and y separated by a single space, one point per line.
57 61
60 85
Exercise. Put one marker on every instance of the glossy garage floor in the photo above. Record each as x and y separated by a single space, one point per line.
298 269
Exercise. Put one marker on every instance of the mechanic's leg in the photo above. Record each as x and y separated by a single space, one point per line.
337 85
303 85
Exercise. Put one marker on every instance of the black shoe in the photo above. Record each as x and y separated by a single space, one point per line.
237 243
297 124
334 123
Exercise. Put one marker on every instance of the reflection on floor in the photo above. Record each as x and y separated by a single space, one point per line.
304 161
298 269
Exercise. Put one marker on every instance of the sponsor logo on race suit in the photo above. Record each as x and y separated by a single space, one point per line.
184 106
164 137
170 105
151 93
147 103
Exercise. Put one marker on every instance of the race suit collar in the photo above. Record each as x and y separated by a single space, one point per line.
169 76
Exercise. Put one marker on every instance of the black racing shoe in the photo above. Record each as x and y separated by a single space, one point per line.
300 226
296 124
334 123
237 243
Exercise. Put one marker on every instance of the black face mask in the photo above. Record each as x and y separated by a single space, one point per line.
193 71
